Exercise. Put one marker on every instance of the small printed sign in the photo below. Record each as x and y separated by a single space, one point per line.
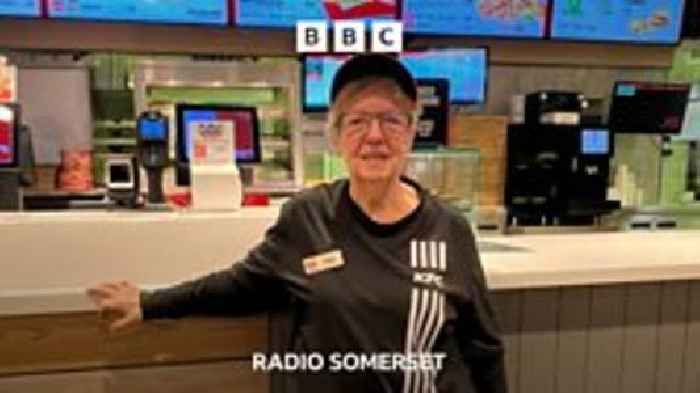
212 142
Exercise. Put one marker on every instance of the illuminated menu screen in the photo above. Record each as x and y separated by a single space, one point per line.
496 18
7 136
654 21
154 11
465 69
20 8
285 13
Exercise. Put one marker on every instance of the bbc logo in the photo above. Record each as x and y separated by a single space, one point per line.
349 37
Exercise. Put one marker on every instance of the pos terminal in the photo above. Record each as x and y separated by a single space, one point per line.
152 136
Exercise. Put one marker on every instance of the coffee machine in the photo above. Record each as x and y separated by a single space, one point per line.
558 166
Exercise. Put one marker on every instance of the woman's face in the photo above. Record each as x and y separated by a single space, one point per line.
376 132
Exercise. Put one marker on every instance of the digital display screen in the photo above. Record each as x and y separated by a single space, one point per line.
7 136
648 107
119 173
496 18
595 141
691 124
213 12
318 77
244 126
653 21
466 70
153 129
286 13
20 7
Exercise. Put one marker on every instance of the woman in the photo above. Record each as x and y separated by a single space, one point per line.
371 266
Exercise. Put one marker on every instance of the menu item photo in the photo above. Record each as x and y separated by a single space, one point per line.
153 11
286 13
497 18
644 21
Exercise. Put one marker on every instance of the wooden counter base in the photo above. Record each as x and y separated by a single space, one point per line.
73 353
621 338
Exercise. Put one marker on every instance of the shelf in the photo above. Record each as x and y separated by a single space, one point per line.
57 193
114 142
275 143
115 124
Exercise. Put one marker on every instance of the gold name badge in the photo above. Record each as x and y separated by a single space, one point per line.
322 262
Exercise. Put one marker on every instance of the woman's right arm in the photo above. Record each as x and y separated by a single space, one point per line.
254 284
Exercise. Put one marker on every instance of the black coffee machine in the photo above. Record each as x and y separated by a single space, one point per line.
558 165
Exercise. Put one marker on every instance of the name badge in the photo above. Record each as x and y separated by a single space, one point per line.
322 262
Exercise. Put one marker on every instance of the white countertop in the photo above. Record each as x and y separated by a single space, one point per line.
14 218
592 259
50 258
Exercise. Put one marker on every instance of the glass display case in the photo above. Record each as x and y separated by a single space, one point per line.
450 174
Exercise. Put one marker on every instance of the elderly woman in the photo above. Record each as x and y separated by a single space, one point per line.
371 266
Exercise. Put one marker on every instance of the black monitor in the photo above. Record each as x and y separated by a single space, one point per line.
247 133
9 130
648 107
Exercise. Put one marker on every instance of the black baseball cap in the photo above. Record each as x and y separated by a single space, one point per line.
374 65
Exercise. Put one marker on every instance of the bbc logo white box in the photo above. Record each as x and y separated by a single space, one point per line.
312 37
349 36
387 37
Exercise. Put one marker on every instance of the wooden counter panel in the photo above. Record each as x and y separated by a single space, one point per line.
223 377
78 341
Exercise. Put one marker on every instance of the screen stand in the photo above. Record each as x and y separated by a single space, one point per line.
215 187
664 151
155 200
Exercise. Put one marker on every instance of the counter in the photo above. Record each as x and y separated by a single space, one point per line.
594 312
50 258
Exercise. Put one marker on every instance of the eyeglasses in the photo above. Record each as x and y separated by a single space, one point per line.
391 123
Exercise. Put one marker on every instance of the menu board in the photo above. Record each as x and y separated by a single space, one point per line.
652 21
154 11
318 77
496 18
465 69
285 13
20 7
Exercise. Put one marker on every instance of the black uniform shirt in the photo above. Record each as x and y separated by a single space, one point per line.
415 286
